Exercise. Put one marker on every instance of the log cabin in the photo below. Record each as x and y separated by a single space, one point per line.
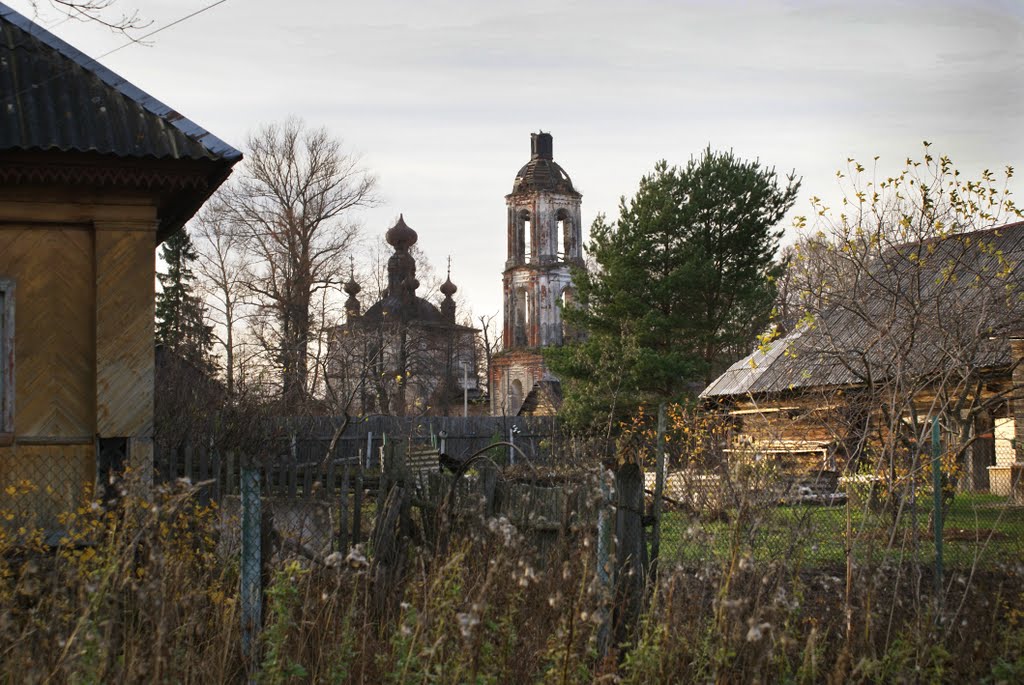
932 328
94 175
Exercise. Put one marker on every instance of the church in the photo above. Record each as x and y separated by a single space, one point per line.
544 241
405 356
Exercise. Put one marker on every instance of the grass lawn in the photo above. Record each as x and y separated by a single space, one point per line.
977 527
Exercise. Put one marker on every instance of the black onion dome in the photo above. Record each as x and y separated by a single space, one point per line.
352 288
400 236
448 288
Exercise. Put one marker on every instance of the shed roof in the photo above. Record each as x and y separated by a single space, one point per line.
975 288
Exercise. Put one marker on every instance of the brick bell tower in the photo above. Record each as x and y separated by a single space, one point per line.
544 240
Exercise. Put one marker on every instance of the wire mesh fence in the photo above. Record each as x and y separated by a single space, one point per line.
722 502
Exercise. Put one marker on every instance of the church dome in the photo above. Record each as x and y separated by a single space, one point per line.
542 172
448 288
400 236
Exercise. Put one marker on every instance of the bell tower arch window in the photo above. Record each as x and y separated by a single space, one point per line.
524 236
563 234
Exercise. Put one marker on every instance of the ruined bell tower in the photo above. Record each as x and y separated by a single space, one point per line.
544 239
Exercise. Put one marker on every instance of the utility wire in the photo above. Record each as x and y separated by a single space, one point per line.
134 41
162 28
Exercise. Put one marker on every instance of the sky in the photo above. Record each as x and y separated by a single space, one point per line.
440 97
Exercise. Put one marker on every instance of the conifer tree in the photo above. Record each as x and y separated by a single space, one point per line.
180 324
680 286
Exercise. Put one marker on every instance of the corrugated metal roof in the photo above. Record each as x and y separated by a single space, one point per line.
54 97
971 301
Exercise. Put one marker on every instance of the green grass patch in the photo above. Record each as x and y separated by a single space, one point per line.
978 528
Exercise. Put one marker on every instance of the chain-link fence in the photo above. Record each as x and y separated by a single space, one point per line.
741 502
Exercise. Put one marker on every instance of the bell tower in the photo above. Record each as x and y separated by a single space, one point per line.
544 233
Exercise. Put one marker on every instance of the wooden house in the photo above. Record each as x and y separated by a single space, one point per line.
931 328
94 174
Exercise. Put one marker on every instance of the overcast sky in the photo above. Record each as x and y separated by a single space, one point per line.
440 96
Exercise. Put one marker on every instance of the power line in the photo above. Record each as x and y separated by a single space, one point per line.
162 28
134 41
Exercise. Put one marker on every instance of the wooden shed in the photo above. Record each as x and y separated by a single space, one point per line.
94 174
933 329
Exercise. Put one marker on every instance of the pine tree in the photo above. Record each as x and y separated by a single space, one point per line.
684 283
180 324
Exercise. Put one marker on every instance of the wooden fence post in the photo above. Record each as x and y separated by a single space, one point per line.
343 538
357 503
605 540
630 550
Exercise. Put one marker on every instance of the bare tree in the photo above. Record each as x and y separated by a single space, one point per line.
291 207
224 267
98 11
490 341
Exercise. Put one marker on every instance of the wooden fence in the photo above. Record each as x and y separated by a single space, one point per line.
304 465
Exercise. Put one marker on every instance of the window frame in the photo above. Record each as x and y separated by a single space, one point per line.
7 298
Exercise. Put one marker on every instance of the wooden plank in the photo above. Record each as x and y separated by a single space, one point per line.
343 503
54 339
357 505
65 206
215 470
204 474
124 330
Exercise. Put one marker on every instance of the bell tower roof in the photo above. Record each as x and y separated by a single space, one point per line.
542 172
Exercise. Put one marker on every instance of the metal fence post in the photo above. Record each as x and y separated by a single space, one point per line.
937 506
659 490
251 590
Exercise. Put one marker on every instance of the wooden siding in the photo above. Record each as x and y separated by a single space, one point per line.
54 334
125 263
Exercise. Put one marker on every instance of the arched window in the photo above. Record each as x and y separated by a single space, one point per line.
524 236
563 229
528 315
527 239
522 318
515 396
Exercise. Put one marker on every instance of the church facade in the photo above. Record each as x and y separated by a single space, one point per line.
544 232
403 356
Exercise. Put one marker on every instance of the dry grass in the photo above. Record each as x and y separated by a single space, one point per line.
140 593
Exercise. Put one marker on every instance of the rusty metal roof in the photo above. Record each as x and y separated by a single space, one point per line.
954 315
54 97
542 172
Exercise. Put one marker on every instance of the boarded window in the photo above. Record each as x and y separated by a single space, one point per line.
6 358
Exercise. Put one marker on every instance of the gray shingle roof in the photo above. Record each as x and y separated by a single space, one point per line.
956 313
